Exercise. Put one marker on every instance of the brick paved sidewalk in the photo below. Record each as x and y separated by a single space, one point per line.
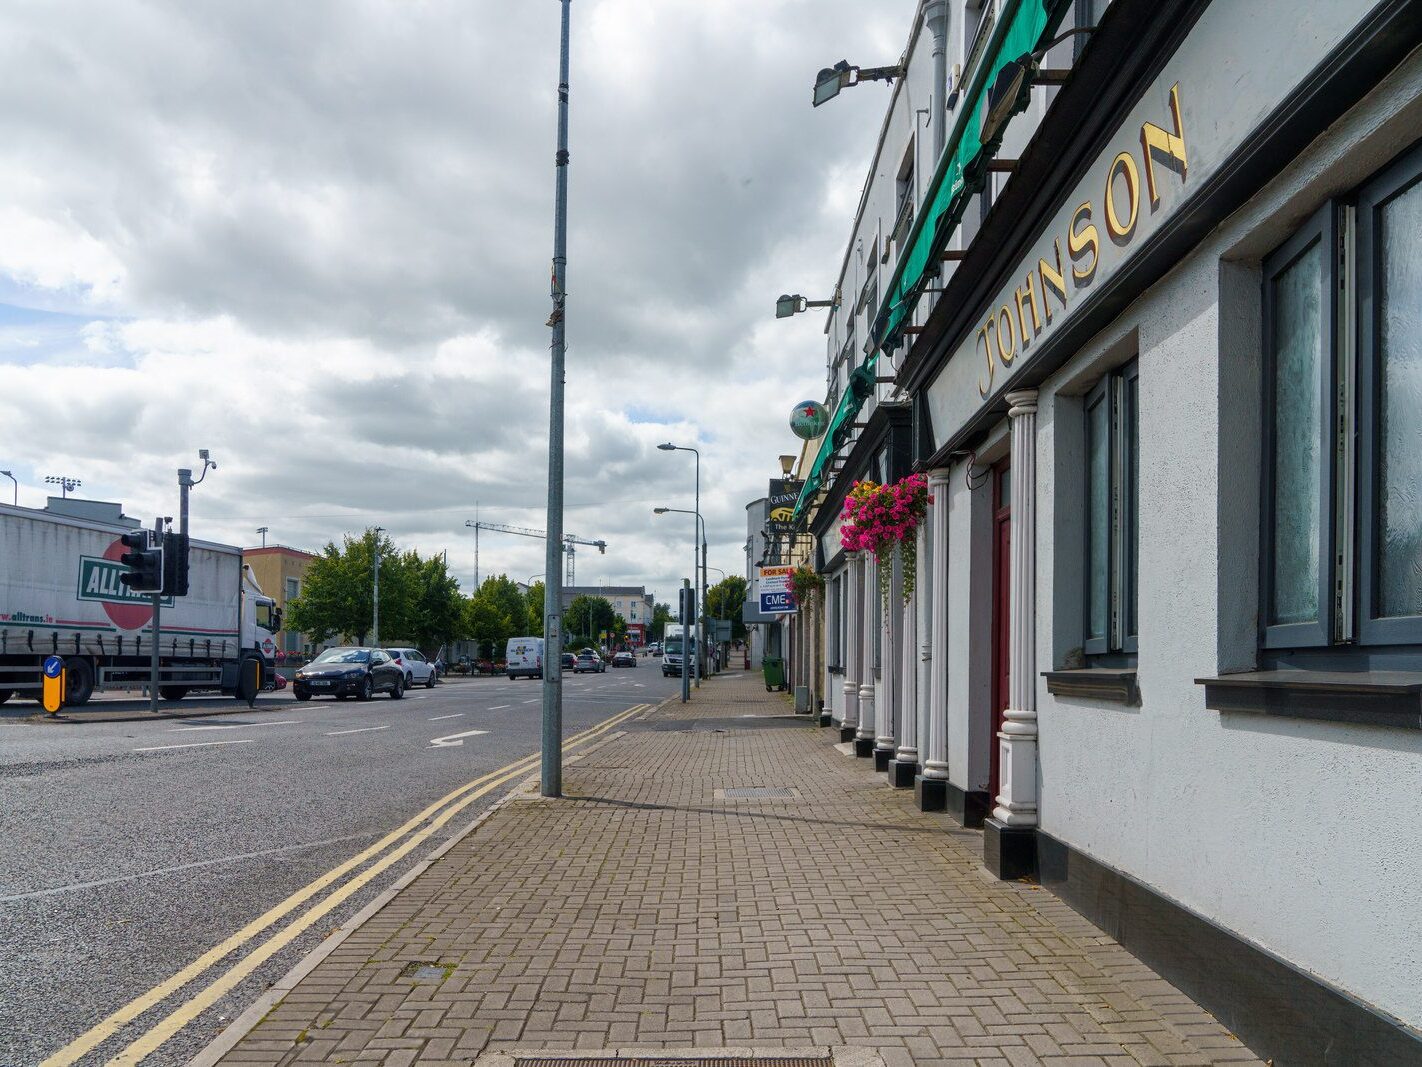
654 908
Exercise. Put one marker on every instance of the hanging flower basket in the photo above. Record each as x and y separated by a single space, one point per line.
805 583
884 519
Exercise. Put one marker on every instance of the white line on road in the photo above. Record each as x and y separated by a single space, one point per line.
454 740
533 701
456 715
500 707
233 726
362 730
197 744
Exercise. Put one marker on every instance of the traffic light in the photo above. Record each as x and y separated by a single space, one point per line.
175 564
688 604
144 562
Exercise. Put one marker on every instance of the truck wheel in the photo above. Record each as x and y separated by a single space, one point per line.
172 692
78 682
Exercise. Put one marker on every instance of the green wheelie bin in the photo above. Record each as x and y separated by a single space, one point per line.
774 669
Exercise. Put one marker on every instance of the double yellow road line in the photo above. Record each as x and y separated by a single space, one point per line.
405 838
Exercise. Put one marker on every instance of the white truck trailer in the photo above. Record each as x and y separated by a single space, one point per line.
60 595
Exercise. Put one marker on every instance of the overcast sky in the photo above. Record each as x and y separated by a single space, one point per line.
314 237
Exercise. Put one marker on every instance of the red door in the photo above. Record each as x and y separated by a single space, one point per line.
1001 613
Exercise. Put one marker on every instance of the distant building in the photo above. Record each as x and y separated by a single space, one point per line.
281 572
632 603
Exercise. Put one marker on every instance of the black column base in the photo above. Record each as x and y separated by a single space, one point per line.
970 808
930 793
882 758
826 719
846 734
902 775
1009 852
864 747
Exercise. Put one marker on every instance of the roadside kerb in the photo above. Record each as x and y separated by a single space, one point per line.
241 1026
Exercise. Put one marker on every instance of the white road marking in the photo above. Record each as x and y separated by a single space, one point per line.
533 701
362 730
500 707
197 744
234 726
454 740
456 715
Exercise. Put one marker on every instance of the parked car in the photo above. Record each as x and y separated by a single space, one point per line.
656 648
418 670
589 662
350 672
624 659
570 661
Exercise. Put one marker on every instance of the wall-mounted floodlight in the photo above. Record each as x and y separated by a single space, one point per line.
1011 89
831 80
787 305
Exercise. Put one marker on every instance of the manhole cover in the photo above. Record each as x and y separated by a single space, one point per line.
654 1061
757 792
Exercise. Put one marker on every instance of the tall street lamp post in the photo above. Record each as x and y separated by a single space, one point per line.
375 625
7 474
552 771
701 607
701 528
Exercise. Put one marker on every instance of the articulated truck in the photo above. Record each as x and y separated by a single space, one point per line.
60 595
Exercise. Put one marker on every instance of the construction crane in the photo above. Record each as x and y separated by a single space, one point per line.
569 541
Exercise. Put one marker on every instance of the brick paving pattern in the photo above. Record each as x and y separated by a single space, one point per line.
645 911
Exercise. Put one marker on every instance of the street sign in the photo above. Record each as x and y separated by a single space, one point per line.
53 684
720 629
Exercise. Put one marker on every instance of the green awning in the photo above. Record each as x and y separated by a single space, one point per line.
1024 26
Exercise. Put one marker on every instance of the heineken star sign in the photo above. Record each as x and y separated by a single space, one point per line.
809 420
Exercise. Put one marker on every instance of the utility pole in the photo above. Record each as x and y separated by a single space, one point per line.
552 776
375 627
153 652
260 529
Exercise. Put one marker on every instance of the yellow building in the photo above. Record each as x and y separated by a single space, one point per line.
281 572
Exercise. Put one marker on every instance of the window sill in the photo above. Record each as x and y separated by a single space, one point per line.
1116 684
1380 698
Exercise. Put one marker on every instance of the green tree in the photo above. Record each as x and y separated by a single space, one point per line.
535 608
587 617
438 615
661 615
725 599
337 596
496 612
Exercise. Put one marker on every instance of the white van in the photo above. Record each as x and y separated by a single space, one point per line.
524 657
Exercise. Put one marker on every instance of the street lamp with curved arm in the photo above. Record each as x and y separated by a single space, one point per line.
701 613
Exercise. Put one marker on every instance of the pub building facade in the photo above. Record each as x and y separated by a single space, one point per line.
1143 302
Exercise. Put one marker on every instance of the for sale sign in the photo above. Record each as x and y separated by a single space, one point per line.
774 586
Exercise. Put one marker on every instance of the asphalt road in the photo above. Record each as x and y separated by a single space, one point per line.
131 849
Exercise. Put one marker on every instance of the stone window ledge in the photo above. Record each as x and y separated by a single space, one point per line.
1381 698
1116 684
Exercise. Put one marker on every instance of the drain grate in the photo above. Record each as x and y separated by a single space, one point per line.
757 792
427 972
656 1061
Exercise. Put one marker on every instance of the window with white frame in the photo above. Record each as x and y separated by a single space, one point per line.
1112 509
1341 561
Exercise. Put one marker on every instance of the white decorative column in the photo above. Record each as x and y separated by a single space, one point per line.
1009 844
890 618
905 762
931 787
864 736
853 620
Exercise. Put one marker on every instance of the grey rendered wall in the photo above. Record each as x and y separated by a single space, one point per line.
1299 836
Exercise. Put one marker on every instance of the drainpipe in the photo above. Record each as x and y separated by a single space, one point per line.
935 17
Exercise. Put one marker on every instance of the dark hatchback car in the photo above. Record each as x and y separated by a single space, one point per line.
570 661
350 672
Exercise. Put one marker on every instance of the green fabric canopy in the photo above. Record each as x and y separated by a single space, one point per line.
1023 27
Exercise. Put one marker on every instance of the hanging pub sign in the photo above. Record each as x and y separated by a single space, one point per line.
809 419
780 506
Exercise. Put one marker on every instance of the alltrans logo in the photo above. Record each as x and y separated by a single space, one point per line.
99 581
